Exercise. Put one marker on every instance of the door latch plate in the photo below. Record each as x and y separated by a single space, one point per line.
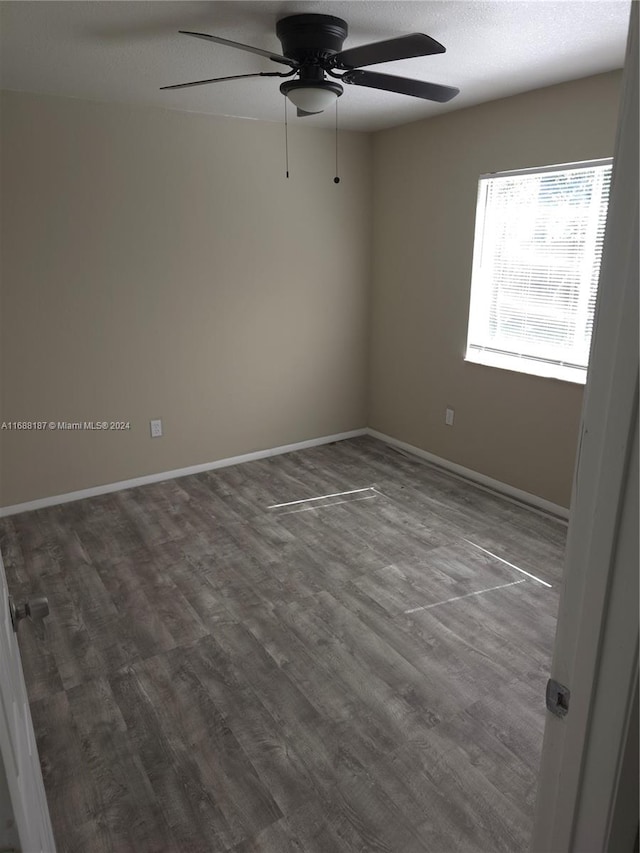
557 698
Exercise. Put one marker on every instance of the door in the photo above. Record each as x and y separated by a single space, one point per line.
18 750
586 801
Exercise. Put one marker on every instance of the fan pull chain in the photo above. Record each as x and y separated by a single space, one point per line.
286 138
336 180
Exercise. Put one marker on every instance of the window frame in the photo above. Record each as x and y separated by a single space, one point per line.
515 362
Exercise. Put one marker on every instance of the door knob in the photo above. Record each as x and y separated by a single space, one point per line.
35 608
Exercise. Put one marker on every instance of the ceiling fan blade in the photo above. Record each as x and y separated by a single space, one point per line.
401 85
213 80
276 57
404 47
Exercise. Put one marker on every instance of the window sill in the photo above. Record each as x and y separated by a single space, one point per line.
534 368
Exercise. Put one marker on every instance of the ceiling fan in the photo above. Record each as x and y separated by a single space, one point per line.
312 48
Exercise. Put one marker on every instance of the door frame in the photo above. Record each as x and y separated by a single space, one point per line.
581 805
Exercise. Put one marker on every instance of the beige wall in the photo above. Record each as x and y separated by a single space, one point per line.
158 264
516 428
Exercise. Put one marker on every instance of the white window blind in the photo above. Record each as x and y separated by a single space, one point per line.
536 264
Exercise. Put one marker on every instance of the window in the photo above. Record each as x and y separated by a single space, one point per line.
536 263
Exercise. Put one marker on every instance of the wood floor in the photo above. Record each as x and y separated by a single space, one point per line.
358 673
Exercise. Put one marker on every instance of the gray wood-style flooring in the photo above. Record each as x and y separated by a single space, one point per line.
359 673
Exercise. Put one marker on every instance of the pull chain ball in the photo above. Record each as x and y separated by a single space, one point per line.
336 180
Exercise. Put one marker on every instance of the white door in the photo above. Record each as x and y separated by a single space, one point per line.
17 743
584 803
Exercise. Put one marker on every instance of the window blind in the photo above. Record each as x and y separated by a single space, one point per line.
537 251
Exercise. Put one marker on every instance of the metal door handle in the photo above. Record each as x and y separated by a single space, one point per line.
35 608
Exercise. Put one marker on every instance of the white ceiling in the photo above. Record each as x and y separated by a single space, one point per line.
124 51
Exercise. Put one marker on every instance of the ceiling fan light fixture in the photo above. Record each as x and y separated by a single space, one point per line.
312 96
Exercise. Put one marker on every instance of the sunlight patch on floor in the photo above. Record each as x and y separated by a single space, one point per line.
507 563
466 595
324 497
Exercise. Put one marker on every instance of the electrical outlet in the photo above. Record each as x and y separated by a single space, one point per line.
156 428
448 417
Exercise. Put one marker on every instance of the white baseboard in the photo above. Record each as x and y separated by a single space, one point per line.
452 467
53 500
480 480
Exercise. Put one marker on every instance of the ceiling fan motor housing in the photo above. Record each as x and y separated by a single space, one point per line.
311 39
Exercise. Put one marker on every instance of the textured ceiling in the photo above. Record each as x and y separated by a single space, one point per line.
124 51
